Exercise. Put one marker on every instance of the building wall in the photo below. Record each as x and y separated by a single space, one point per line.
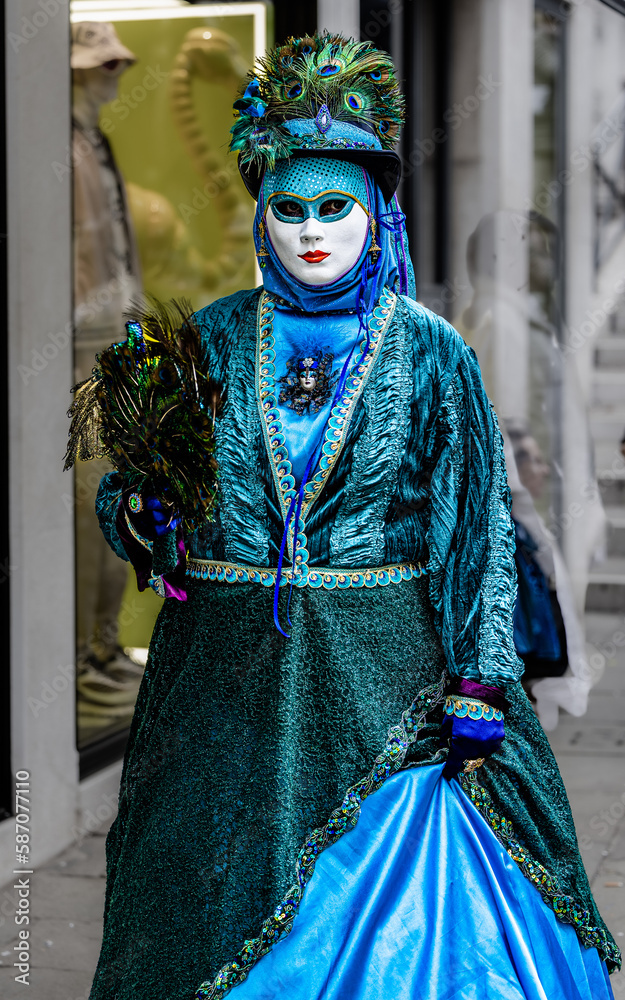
491 152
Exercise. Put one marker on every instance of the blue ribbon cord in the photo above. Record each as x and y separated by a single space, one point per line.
295 506
397 226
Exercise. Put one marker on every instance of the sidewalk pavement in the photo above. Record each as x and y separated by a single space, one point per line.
67 894
591 756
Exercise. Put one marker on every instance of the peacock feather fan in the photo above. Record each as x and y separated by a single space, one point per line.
150 408
354 80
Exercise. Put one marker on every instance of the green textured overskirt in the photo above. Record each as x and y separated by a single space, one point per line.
243 742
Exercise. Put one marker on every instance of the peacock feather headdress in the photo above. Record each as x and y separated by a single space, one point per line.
318 95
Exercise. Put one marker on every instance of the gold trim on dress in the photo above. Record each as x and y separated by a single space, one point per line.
327 578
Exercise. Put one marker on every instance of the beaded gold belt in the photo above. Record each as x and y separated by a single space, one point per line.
316 576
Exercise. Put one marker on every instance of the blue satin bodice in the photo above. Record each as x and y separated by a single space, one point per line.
337 334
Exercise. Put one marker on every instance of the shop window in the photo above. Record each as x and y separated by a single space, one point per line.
159 209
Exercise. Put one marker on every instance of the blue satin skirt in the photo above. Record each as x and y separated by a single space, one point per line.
421 902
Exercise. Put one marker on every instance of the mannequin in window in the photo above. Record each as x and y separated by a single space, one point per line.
106 278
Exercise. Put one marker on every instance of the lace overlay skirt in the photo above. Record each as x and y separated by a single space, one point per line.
243 742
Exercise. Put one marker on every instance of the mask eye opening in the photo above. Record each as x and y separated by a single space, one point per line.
288 209
332 206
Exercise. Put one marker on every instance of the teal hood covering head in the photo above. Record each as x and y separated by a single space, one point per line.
359 288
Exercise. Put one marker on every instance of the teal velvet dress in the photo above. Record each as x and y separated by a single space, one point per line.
251 755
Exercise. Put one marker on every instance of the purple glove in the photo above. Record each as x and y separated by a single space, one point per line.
472 724
148 516
157 549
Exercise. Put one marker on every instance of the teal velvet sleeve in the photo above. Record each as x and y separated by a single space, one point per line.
106 504
470 537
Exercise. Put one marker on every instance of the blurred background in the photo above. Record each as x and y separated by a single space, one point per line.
117 181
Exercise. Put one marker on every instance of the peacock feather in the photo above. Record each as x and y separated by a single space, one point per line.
150 408
354 80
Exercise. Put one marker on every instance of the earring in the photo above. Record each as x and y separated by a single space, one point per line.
374 249
262 250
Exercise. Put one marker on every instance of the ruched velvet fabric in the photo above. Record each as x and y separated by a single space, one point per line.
421 902
243 742
421 477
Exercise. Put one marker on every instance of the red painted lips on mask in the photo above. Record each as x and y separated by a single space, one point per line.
313 256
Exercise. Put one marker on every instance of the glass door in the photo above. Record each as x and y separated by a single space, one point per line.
159 210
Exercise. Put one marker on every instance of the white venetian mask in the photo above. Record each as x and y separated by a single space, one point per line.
319 239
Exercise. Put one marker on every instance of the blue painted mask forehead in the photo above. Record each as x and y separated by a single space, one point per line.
308 177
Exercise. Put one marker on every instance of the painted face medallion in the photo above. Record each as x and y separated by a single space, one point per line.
317 239
308 383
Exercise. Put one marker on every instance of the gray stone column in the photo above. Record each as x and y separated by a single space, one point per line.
40 376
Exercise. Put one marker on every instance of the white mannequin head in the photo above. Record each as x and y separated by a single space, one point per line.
98 60
100 82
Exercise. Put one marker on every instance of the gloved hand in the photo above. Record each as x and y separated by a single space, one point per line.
472 727
148 516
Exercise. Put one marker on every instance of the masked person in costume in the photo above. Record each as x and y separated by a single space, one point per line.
334 784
